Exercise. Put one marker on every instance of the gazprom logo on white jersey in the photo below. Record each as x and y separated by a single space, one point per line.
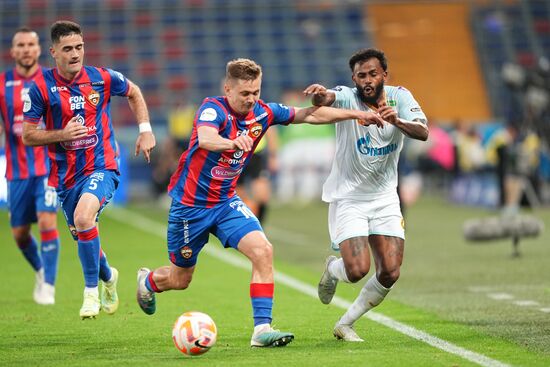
363 145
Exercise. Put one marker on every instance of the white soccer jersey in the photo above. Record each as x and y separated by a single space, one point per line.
365 162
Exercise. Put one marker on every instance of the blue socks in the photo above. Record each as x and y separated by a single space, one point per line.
50 254
104 268
261 295
30 252
88 252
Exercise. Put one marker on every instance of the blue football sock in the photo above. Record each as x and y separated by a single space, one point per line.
50 254
30 252
261 295
88 252
104 268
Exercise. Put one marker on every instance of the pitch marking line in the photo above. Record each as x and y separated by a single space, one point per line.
147 225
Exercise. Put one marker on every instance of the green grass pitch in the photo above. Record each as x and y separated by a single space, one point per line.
447 289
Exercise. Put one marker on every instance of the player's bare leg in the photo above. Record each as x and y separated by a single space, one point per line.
351 268
259 251
159 280
388 255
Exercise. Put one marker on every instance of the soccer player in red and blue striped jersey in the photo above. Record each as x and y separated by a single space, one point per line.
225 134
30 199
74 101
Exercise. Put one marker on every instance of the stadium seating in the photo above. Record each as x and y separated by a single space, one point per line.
174 48
509 32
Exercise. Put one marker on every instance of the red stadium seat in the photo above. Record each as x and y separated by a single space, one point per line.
178 83
172 35
148 68
174 53
542 26
143 19
526 58
119 53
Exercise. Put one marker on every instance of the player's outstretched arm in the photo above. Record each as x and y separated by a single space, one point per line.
209 139
146 139
320 96
33 135
327 115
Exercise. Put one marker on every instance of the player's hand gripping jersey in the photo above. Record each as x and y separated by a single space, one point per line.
365 164
88 97
205 178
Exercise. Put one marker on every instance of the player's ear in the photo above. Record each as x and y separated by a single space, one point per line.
52 52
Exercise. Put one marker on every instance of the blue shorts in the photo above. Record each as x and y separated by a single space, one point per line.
29 196
101 184
189 228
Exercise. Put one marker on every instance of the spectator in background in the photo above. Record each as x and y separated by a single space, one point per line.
30 199
254 184
439 158
180 125
306 154
470 153
515 154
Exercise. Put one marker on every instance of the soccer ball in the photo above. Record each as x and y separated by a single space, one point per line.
194 333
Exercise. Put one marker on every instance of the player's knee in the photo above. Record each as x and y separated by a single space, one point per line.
47 222
388 277
262 253
180 282
22 239
356 273
83 222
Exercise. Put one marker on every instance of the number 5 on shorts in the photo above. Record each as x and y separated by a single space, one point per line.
93 184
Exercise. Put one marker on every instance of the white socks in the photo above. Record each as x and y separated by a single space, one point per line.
94 290
370 296
338 270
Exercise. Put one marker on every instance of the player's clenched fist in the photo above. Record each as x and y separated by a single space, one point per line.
367 118
243 142
74 130
388 113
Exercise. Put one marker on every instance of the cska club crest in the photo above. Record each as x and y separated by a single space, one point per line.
256 129
93 97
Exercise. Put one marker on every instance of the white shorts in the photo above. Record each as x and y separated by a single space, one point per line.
355 218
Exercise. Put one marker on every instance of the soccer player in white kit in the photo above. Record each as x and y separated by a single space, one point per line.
362 187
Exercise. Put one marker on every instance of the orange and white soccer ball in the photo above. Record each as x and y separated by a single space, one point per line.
194 333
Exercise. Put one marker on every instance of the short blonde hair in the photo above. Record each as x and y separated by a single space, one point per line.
243 69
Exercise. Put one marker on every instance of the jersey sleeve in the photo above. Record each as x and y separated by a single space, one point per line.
119 84
408 107
342 96
282 114
34 105
210 114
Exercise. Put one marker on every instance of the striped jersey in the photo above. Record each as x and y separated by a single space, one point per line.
205 178
22 161
88 97
365 162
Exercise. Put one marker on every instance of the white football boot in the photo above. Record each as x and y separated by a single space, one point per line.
346 333
90 306
327 284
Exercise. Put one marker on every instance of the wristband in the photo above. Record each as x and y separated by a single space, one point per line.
145 127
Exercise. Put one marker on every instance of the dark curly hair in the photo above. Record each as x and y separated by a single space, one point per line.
367 53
